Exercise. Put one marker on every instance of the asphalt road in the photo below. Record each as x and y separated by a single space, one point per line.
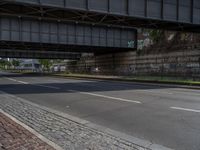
164 115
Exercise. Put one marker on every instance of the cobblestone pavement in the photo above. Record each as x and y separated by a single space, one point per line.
15 137
62 131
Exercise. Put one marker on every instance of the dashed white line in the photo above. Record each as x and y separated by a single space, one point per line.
186 92
11 79
23 82
17 81
155 92
50 87
186 109
108 97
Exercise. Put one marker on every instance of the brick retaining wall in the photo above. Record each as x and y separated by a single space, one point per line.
179 63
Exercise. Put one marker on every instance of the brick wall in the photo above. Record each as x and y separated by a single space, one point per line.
179 63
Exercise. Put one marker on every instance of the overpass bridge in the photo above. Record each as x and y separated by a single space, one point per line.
29 34
181 15
94 26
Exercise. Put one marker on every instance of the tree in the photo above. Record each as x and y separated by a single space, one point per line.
46 63
2 64
15 63
5 64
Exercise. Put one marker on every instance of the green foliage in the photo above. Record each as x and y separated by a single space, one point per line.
2 64
5 64
46 63
15 63
156 35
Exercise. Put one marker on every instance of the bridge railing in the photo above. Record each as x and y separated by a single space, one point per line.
184 11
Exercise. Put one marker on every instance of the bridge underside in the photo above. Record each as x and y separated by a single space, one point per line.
23 35
38 54
33 28
28 46
163 14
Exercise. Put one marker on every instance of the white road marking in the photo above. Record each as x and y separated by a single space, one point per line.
52 80
155 92
108 97
11 79
186 92
50 87
23 82
17 81
186 109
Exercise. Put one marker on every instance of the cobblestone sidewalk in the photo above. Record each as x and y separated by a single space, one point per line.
15 137
66 133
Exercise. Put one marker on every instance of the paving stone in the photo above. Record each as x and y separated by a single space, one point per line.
15 137
68 134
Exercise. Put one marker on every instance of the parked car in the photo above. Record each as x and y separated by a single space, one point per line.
58 68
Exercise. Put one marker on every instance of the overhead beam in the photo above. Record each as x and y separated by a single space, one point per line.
66 36
133 13
11 53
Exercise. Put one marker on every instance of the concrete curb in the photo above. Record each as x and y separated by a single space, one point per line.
52 144
141 144
141 82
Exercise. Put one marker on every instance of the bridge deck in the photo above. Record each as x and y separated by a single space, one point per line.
165 14
46 35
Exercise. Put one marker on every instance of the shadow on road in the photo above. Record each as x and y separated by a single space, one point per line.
78 85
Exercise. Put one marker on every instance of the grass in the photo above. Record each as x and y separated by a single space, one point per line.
152 79
170 80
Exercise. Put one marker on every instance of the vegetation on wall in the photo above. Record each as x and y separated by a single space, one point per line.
157 35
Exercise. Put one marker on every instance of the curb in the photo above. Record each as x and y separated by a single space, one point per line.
141 144
142 82
50 143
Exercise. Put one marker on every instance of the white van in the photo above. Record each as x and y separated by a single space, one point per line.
30 65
